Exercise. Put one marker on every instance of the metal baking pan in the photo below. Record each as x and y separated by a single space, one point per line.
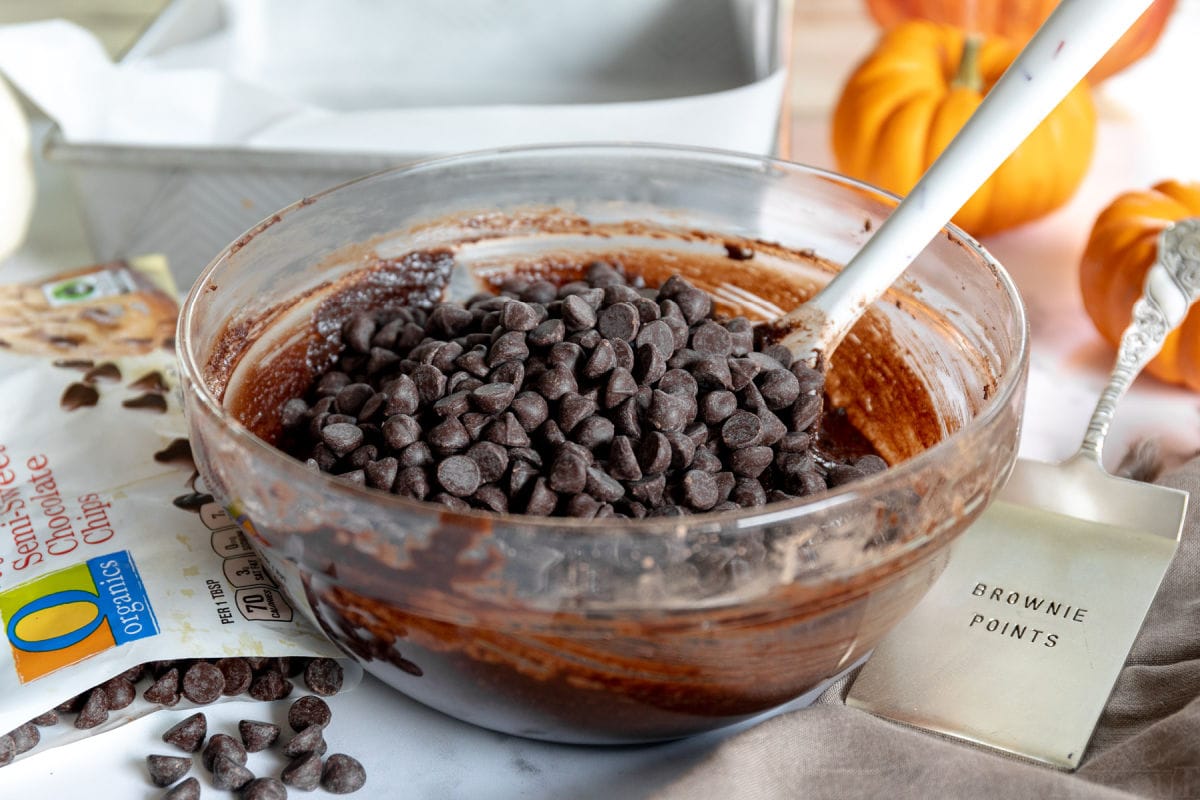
189 202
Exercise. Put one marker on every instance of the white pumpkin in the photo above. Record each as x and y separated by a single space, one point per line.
16 173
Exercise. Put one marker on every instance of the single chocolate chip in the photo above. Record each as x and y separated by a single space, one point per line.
449 436
308 740
491 497
795 442
621 385
270 686
542 500
711 338
449 319
341 437
750 462
257 736
188 734
187 789
309 710
667 412
577 313
452 405
655 453
343 774
474 361
357 332
25 737
417 454
741 372
870 464
694 303
742 429
8 750
603 486
292 413
492 398
619 321
683 450
622 462
381 474
119 693
573 409
507 431
717 406
229 775
748 492
521 475
222 745
601 361
510 346
650 365
779 387
165 690
699 490
547 333
516 315
412 482
402 396
806 412
303 772
531 409
741 335
351 398
46 720
459 475
490 458
165 770
712 372
556 381
594 432
568 473
430 382
264 789
707 460
78 395
203 683
649 490
512 372
582 506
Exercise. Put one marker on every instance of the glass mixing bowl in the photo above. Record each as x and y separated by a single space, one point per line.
606 631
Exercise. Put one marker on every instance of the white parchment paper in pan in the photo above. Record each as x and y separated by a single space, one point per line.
415 77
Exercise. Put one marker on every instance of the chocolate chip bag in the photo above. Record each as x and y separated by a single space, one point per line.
112 555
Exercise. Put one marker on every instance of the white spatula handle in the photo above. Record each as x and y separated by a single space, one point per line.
1068 44
1172 286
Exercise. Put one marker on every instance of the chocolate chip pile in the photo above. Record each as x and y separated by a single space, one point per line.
599 398
226 757
166 682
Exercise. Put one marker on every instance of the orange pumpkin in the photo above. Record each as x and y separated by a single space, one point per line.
1018 19
1122 246
906 101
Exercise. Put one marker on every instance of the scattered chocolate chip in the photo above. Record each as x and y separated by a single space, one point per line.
342 774
309 710
222 745
309 740
303 772
78 395
106 372
264 789
149 401
187 789
228 774
188 734
165 770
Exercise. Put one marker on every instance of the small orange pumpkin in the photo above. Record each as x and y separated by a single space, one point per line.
1120 249
1018 19
906 101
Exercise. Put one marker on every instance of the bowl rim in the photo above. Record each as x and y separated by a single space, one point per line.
734 520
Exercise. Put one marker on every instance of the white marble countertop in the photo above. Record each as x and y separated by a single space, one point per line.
414 752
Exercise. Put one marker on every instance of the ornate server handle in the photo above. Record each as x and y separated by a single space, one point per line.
1172 285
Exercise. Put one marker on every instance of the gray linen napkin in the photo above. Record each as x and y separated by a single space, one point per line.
1147 743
